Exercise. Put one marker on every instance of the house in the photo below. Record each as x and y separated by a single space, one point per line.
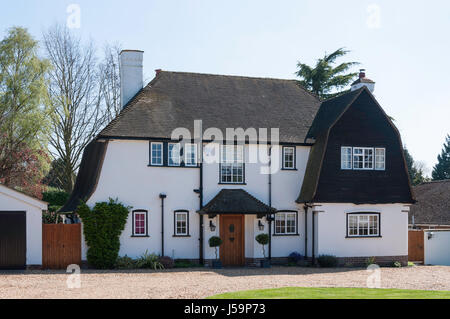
20 229
330 177
432 210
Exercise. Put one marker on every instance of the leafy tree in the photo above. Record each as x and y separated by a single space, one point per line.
23 112
415 170
323 78
55 177
442 169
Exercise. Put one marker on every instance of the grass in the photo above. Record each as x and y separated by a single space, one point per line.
334 293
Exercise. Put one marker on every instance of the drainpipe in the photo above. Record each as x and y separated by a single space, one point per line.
313 253
201 238
270 202
305 207
162 196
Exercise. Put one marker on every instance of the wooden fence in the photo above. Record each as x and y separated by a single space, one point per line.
415 245
61 245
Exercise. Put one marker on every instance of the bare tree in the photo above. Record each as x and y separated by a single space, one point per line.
75 94
109 74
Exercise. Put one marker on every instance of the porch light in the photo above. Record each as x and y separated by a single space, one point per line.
260 225
212 226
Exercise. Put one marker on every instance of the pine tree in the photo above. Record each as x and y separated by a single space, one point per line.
442 169
415 171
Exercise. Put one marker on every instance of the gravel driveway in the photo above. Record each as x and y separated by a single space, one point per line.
200 282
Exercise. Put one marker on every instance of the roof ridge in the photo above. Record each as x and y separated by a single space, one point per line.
233 76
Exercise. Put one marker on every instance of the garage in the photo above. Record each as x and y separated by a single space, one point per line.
20 229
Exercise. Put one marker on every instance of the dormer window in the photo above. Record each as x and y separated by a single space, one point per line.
190 152
363 158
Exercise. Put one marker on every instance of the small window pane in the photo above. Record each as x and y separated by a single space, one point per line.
156 154
232 164
289 157
380 158
346 158
191 155
174 154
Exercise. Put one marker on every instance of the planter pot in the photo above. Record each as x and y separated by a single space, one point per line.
217 264
265 263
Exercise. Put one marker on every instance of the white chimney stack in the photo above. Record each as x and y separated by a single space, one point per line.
131 74
363 81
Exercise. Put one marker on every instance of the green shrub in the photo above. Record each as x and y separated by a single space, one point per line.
166 262
149 261
263 239
55 198
125 262
397 264
327 261
215 242
102 228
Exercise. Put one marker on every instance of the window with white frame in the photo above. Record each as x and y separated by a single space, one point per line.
363 224
286 223
232 164
380 159
140 223
289 157
174 154
181 223
156 154
190 153
346 157
362 158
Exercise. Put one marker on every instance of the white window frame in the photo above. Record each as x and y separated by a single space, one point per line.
152 162
376 157
181 213
293 158
347 148
361 219
235 163
187 154
169 155
284 218
364 149
145 214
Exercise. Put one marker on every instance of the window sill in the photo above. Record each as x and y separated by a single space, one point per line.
356 237
284 235
136 236
232 183
181 236
289 169
169 166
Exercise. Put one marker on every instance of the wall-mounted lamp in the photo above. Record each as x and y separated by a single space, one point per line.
430 235
260 225
212 226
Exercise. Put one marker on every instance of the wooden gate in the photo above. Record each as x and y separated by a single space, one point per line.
415 245
61 245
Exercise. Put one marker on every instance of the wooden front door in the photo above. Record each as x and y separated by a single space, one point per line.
232 234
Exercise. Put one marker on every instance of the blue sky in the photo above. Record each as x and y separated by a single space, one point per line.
403 45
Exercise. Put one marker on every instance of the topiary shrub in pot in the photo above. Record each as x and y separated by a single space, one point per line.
263 240
215 242
327 261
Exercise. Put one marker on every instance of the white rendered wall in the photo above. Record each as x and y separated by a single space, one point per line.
332 231
33 226
437 248
127 176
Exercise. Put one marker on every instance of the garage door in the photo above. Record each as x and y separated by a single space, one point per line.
12 240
